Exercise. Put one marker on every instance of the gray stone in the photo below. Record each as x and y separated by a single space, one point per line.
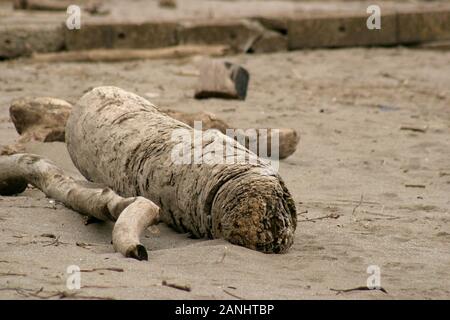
219 79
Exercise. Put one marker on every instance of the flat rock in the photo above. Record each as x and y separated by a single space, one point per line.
220 79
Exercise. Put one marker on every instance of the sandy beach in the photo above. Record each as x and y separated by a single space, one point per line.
368 189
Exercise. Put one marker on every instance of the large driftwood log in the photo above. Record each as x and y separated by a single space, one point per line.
222 79
121 140
133 214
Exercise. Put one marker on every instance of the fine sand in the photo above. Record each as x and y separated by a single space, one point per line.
367 192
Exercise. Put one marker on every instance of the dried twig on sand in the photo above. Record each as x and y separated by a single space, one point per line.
233 295
176 286
328 216
103 269
117 55
422 186
414 129
361 288
358 205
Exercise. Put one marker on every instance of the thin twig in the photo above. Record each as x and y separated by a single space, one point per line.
358 205
102 269
328 216
233 295
415 186
86 245
12 274
55 242
415 129
361 288
176 286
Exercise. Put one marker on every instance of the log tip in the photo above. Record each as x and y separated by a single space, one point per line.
137 252
258 214
9 187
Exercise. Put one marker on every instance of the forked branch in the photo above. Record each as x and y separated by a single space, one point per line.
133 214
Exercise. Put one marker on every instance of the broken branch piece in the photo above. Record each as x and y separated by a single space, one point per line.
221 79
87 198
129 146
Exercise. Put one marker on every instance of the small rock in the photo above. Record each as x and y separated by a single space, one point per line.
219 79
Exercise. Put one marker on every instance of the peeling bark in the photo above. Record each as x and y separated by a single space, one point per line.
121 140
37 119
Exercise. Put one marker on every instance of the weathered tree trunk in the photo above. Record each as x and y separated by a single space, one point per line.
37 119
121 140
133 215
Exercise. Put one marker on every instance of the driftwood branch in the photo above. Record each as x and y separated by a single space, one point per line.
93 7
94 200
116 55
